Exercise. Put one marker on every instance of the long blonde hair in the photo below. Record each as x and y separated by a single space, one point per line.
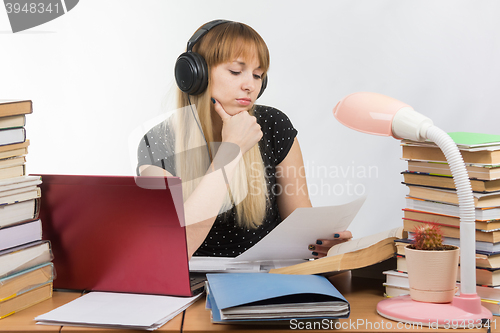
248 187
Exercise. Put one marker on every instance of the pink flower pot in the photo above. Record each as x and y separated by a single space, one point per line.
432 274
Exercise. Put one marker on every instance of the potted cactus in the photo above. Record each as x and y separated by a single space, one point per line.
432 266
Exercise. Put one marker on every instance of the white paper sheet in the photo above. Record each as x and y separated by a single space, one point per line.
103 309
289 240
286 244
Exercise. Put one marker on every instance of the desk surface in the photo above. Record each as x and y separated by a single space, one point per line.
23 320
362 294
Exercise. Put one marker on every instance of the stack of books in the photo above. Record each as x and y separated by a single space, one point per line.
26 271
432 199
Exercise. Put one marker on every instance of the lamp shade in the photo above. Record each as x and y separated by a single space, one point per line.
368 112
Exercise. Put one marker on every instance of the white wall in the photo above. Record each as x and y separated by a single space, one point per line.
100 71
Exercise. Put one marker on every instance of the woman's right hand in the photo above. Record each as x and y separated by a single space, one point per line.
320 249
241 129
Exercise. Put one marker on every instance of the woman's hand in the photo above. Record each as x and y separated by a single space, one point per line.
241 129
320 249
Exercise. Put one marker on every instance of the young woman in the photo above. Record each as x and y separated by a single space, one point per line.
236 191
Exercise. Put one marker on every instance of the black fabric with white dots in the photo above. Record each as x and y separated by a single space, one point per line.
226 238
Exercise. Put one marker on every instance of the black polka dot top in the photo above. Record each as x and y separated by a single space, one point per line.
226 238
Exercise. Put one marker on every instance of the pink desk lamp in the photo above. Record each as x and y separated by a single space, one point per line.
381 115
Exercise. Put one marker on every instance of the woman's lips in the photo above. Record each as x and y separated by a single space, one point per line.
244 101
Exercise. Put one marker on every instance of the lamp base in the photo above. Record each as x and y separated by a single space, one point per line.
434 315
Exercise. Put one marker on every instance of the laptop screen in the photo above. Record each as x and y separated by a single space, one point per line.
109 234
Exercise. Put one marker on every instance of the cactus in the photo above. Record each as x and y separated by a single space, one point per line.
428 237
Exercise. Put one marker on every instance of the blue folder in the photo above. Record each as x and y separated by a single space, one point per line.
227 290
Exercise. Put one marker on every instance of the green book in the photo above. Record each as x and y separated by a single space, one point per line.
473 140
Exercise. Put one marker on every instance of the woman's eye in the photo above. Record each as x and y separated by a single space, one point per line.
234 72
258 77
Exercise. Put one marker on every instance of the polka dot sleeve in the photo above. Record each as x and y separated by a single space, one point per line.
156 148
278 132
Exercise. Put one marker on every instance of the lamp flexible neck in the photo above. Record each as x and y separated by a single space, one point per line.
466 208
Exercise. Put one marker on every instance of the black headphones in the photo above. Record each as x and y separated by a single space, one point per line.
191 70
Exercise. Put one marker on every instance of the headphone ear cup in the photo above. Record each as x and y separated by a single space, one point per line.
263 86
191 73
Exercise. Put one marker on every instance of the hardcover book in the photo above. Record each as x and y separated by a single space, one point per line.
18 212
481 200
16 284
424 179
24 256
454 231
19 234
475 171
10 107
423 216
34 296
356 253
435 207
12 121
18 149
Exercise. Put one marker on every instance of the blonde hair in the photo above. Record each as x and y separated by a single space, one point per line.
248 187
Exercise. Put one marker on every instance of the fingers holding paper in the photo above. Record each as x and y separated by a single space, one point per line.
320 249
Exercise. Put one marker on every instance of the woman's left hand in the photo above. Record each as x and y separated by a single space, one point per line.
320 249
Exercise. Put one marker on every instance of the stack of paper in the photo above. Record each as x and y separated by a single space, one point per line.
117 310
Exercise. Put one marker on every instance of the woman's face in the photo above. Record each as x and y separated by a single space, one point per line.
236 84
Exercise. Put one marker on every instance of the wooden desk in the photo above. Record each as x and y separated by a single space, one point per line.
363 295
23 320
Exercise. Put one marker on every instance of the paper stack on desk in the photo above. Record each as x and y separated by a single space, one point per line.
118 310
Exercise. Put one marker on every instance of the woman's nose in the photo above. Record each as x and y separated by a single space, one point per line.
248 83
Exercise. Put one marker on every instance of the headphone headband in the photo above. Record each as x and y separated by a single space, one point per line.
202 32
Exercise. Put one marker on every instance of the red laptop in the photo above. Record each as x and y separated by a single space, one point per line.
110 234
